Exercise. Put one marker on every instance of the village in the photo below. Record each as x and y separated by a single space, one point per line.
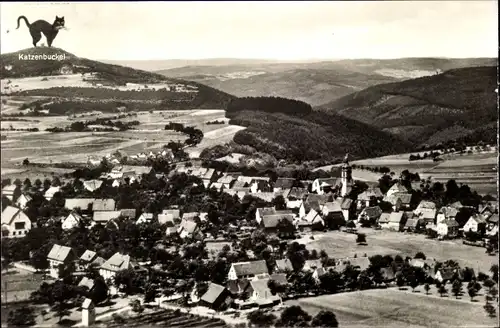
229 245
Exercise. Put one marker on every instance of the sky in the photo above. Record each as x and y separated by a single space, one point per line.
262 30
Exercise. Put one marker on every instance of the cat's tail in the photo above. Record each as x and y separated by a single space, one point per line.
25 20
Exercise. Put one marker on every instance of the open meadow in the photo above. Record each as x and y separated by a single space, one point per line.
393 308
341 244
78 147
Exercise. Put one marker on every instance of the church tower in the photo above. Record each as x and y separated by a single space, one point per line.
346 177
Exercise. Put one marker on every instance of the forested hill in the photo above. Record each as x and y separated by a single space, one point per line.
428 110
291 129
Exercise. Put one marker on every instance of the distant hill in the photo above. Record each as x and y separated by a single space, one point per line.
316 83
427 110
103 87
292 130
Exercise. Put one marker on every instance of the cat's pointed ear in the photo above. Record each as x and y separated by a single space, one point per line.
62 17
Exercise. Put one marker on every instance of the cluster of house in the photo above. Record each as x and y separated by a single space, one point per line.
307 203
116 158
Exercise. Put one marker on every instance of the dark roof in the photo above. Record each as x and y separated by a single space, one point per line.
321 199
451 223
493 219
82 203
346 203
213 293
237 286
271 221
128 212
279 278
283 265
284 183
449 212
393 198
373 212
297 193
372 192
250 268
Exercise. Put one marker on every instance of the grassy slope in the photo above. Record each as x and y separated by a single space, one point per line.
207 97
316 83
429 109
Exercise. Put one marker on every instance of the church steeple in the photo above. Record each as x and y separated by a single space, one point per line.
346 176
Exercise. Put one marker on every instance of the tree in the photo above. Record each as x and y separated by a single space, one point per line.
136 306
400 281
413 282
61 309
489 284
260 318
279 202
150 293
21 317
427 287
26 162
490 309
39 260
494 272
100 291
285 228
420 255
361 238
442 290
472 292
456 288
325 319
294 316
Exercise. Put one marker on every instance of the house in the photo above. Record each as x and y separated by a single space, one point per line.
216 298
360 263
397 188
248 180
237 287
128 213
486 211
427 211
283 184
84 204
448 228
446 213
87 258
266 196
261 294
370 214
15 223
311 265
172 229
445 274
71 221
296 197
208 177
92 185
492 221
115 263
188 229
333 209
49 194
388 274
8 191
225 181
476 223
144 218
346 204
398 200
169 216
384 219
104 217
284 265
270 222
260 212
313 217
59 255
87 283
396 221
248 270
318 272
23 200
367 196
414 225
325 185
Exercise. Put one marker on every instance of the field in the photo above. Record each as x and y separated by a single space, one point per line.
341 245
393 308
149 135
478 170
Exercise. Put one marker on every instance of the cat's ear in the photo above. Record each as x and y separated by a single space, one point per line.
62 17
57 17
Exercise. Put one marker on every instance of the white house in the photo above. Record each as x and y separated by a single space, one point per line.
71 221
115 263
446 213
474 223
8 191
188 228
59 255
447 228
23 200
248 270
14 222
92 185
144 218
397 188
322 185
50 192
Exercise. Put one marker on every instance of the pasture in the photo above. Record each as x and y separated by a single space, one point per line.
341 245
77 147
393 308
